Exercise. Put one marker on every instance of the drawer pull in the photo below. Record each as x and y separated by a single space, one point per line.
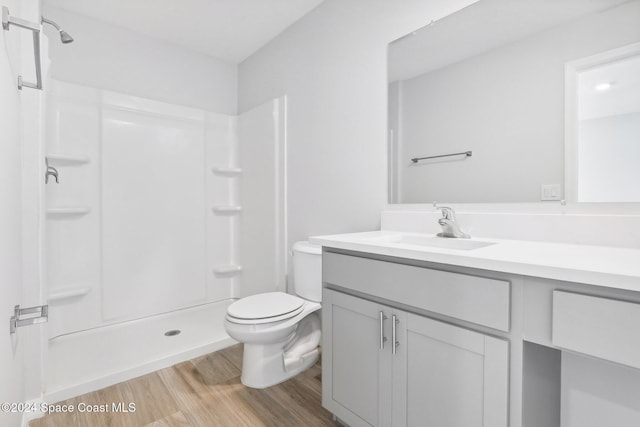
394 322
382 337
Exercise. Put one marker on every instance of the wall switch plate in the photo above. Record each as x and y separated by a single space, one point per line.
550 192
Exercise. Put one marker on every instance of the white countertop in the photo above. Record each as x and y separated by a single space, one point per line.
595 265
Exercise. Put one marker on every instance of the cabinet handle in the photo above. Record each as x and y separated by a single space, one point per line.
382 337
394 322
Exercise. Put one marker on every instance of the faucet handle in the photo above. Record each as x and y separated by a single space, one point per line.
51 171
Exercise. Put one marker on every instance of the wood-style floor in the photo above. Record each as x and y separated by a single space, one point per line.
203 392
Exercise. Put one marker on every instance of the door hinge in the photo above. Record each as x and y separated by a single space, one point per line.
16 321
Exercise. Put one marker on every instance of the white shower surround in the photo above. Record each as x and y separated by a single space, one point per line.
143 231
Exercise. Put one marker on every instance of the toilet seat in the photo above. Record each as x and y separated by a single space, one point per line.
265 308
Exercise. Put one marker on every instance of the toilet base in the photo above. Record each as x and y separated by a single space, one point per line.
265 365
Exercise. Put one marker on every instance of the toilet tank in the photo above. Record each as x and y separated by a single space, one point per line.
307 270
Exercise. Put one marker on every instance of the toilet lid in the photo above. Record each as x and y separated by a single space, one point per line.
267 305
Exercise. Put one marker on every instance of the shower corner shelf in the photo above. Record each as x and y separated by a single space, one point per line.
227 270
67 160
226 171
68 293
68 211
228 210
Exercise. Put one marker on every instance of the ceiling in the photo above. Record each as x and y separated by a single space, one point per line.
480 27
230 30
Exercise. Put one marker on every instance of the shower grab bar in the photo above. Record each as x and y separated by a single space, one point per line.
8 20
466 153
16 321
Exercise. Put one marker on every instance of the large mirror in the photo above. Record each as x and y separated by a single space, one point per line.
477 103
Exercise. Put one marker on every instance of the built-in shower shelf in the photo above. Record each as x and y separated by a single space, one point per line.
226 171
67 160
68 211
68 293
227 270
228 210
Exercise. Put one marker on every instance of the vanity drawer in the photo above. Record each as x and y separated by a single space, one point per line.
596 326
474 299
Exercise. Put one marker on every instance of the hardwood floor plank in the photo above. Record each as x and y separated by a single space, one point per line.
203 392
234 355
176 419
192 396
56 420
215 369
151 397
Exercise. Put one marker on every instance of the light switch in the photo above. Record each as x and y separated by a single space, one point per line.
550 192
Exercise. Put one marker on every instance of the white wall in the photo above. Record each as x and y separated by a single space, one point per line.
108 57
331 65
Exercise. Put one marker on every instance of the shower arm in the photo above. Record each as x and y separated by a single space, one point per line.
7 21
52 23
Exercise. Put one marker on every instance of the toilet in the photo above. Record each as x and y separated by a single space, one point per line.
280 331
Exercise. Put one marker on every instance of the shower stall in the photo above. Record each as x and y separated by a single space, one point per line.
140 220
157 216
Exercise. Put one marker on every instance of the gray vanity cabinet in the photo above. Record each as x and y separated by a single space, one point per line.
473 347
356 360
449 376
435 374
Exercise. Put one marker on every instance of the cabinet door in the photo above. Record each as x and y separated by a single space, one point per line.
356 371
449 376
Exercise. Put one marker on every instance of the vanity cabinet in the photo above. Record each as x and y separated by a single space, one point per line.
596 326
483 342
385 366
356 360
452 376
483 301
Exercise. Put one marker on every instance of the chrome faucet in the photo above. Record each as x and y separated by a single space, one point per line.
449 224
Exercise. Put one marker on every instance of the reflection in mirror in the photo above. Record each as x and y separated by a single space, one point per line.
603 127
490 79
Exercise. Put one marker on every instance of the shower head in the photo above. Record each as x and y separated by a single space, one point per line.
64 36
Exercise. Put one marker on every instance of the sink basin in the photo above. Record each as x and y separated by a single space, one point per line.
434 241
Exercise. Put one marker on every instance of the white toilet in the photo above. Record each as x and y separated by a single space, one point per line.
280 332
